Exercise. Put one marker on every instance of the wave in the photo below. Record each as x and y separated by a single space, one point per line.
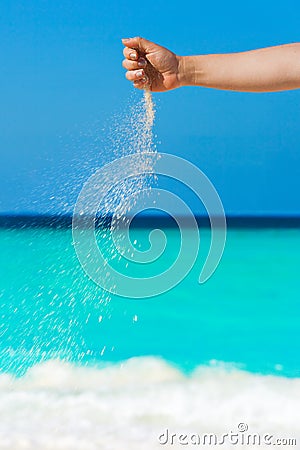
129 405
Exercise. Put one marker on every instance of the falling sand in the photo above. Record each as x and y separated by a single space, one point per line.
136 138
149 109
133 135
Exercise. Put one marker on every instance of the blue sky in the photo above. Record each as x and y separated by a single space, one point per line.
61 81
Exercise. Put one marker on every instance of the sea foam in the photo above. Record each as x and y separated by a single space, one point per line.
127 406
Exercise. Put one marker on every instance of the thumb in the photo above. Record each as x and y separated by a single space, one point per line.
139 43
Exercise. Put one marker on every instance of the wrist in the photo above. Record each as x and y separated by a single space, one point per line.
182 78
185 71
190 71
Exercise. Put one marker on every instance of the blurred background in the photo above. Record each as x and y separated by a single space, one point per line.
61 84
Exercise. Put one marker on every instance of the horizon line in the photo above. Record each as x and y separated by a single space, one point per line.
30 220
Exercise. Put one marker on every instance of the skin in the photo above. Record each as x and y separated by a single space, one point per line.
158 69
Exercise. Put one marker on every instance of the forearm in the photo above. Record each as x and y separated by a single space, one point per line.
265 70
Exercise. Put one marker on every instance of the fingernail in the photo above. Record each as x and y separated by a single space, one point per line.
126 39
144 79
139 74
133 55
142 63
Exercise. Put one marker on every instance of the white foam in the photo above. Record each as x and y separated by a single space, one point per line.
127 406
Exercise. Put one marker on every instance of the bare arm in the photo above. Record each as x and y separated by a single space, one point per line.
266 70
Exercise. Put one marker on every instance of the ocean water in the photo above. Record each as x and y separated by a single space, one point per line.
84 370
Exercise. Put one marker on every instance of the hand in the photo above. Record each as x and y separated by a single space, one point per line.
150 66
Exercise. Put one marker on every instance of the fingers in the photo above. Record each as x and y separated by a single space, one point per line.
132 60
137 76
133 65
138 43
130 53
139 84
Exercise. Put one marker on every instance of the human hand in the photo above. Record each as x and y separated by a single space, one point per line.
150 66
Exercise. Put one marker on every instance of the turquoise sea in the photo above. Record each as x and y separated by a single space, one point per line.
81 369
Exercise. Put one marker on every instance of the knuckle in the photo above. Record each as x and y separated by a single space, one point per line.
125 63
139 41
127 52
